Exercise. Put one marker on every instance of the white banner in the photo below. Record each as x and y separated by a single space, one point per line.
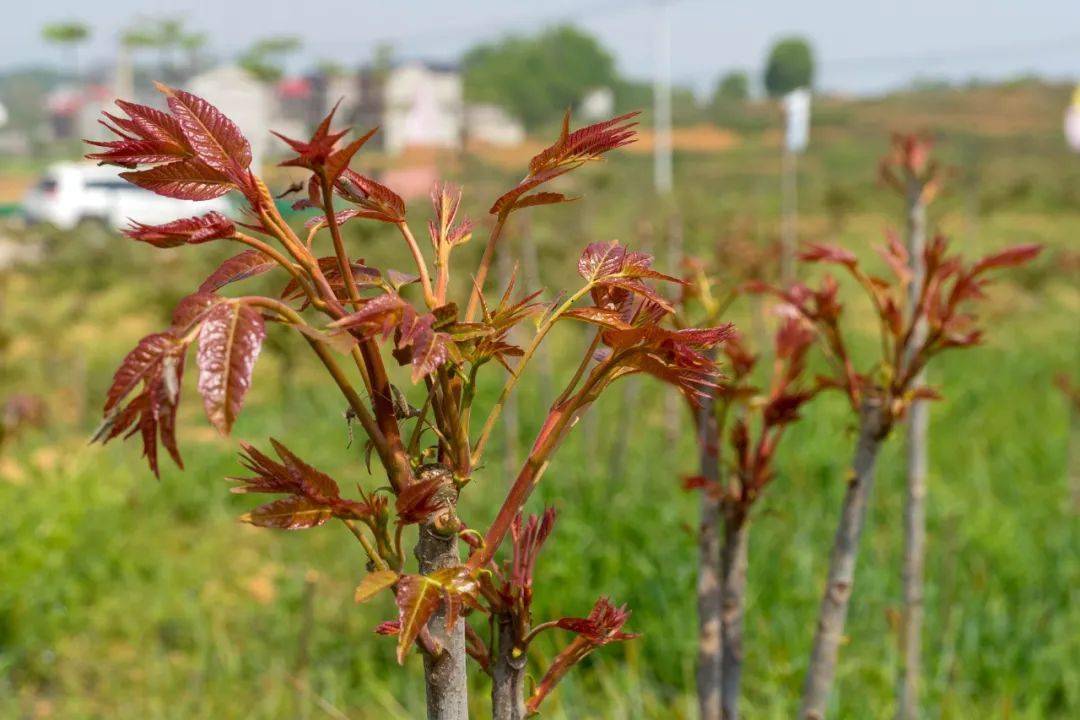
1072 122
797 114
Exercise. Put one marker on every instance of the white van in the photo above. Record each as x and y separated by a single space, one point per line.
70 193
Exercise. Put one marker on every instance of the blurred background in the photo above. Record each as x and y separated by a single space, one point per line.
123 597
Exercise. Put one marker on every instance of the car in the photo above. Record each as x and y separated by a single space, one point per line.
72 193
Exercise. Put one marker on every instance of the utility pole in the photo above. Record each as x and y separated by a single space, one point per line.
789 214
796 133
662 173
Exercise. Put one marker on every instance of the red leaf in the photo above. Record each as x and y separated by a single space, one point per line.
239 267
147 136
158 363
191 310
312 483
1009 257
427 349
588 143
529 537
570 151
603 317
229 343
381 202
187 231
381 314
153 124
417 501
339 160
147 354
820 252
417 599
603 625
290 513
185 179
542 198
129 153
215 138
600 260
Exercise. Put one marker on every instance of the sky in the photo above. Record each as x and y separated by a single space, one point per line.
861 46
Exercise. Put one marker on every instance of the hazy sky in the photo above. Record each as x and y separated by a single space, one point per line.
862 45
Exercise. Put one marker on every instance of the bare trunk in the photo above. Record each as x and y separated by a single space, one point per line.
914 559
508 676
673 413
444 675
736 542
709 598
834 604
907 700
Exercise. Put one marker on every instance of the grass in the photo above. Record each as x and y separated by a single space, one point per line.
125 598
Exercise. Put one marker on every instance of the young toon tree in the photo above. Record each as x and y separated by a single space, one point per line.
733 484
349 312
882 396
909 170
699 301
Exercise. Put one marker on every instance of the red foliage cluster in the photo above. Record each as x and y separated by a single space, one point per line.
344 308
943 304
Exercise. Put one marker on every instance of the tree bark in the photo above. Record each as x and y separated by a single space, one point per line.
736 542
907 693
444 674
709 598
834 604
508 675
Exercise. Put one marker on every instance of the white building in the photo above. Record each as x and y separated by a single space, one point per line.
492 125
597 104
424 106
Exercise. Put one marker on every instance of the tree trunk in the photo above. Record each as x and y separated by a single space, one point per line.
907 700
444 675
736 537
508 675
709 598
834 604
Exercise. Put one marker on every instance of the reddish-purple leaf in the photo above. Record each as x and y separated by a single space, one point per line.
186 231
146 355
380 202
418 500
184 179
1009 257
191 310
239 267
603 317
417 599
821 252
229 343
290 513
379 315
216 139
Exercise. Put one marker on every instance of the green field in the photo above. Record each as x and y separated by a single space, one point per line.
126 598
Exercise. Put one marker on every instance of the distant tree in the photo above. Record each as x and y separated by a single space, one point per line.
533 77
265 58
790 66
733 86
171 40
68 35
192 44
